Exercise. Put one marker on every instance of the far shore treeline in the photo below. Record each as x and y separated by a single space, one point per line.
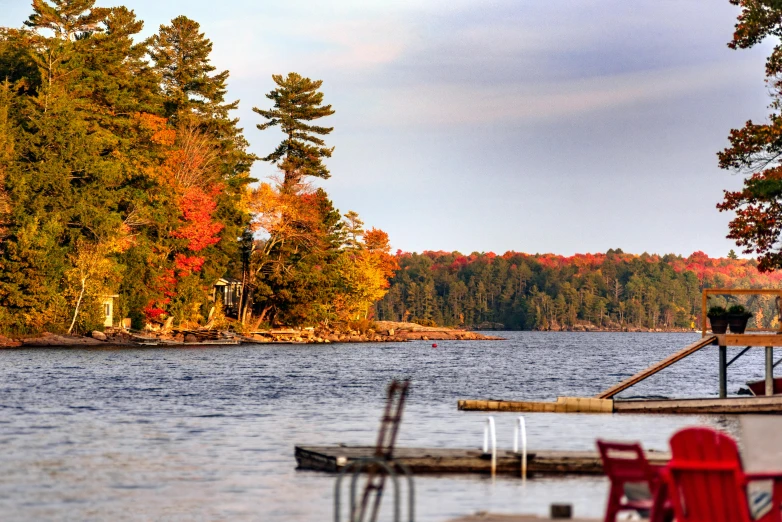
614 290
123 174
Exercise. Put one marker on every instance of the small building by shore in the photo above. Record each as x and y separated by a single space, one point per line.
229 291
107 301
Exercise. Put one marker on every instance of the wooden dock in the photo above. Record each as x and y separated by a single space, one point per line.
445 460
604 401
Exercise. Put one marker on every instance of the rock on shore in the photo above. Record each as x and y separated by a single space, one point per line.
50 339
5 342
416 332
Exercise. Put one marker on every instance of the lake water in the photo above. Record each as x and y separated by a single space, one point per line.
208 433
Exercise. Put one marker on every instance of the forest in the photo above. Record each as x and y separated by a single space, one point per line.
614 290
123 173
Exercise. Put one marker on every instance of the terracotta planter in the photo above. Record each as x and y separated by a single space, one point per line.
719 325
738 323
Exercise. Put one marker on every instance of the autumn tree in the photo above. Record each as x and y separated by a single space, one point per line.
297 101
7 145
110 148
209 160
755 149
289 227
88 278
364 269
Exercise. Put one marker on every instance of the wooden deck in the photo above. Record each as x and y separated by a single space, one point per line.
754 340
444 460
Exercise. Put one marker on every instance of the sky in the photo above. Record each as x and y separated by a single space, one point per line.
564 126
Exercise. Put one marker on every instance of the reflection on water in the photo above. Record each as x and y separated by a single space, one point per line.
207 434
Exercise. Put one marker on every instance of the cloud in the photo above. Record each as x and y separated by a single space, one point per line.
463 104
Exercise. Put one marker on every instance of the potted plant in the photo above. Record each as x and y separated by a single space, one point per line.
718 317
738 318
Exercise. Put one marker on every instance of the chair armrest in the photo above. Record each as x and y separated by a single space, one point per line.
763 475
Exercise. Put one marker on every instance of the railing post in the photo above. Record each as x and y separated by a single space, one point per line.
489 431
769 371
723 370
520 430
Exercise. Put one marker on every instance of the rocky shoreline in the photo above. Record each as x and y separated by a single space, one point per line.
383 331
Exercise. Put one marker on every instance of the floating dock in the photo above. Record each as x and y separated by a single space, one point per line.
736 405
445 460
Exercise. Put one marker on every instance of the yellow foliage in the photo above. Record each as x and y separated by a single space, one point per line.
362 283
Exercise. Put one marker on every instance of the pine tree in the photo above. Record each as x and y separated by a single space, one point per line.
297 100
354 230
68 19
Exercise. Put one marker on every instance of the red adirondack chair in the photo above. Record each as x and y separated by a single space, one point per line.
624 464
706 481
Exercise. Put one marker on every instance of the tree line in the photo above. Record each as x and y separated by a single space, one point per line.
522 292
123 172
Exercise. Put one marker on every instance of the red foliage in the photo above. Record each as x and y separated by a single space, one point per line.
199 229
151 312
187 265
710 271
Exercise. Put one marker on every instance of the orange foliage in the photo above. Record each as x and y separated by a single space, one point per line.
377 244
187 265
197 209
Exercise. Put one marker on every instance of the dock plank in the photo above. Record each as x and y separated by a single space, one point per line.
737 405
495 517
772 404
448 460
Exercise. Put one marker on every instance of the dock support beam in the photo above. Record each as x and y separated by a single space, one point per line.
769 371
723 372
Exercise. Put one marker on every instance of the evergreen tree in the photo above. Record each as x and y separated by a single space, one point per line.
297 100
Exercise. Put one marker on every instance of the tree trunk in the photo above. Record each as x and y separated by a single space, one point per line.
78 305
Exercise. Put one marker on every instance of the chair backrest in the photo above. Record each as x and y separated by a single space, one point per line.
705 477
625 462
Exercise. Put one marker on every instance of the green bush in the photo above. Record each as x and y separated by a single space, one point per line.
738 310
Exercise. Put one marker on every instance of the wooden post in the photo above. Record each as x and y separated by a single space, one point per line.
723 372
703 315
769 371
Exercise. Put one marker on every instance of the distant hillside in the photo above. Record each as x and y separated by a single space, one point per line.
544 291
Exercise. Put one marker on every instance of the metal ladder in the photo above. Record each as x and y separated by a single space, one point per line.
384 453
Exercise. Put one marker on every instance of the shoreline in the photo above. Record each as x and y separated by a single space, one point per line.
383 332
118 338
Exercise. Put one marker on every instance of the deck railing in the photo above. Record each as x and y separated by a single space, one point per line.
733 291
